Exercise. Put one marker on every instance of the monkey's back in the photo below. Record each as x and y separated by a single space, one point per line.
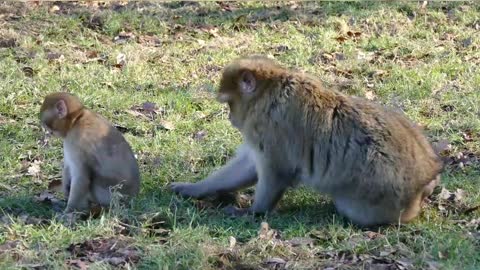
344 145
110 158
375 153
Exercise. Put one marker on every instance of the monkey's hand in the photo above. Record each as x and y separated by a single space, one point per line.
191 190
237 212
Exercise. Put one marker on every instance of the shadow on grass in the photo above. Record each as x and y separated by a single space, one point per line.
238 16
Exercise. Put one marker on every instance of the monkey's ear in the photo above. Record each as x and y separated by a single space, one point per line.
248 82
61 109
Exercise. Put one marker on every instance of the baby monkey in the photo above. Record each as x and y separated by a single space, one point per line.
373 162
97 158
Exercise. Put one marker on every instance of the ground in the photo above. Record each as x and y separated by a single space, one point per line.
152 69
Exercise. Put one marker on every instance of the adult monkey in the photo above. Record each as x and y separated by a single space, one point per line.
373 162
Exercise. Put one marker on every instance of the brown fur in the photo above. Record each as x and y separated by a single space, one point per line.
373 162
96 155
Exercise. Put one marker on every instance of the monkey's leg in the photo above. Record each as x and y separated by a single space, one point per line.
269 190
428 189
78 200
66 180
238 173
415 206
101 195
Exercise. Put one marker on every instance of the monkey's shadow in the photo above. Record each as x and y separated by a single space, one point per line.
298 213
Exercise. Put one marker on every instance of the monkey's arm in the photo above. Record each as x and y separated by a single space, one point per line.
238 173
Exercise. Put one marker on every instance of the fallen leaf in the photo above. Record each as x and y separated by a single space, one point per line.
370 95
121 61
52 56
8 43
225 6
467 136
34 168
91 54
155 224
300 241
149 107
275 262
28 71
9 245
46 196
55 185
341 39
149 110
232 242
373 235
282 48
340 56
200 135
150 40
467 42
471 209
367 56
447 108
164 124
115 251
266 233
354 34
123 37
82 265
54 9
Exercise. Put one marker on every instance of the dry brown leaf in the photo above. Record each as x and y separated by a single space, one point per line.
8 42
79 264
301 241
275 262
232 242
28 71
55 185
34 168
117 251
46 196
266 233
164 124
123 37
52 56
121 61
200 135
370 95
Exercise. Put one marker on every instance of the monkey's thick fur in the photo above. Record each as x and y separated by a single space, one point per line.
373 162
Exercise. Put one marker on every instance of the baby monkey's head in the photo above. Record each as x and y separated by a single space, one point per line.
57 112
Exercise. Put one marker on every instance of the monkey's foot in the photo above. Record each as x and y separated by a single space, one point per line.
236 212
68 219
187 190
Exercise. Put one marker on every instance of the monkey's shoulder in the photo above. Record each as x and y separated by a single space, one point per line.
93 131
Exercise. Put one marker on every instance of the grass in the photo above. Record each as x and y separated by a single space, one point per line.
422 60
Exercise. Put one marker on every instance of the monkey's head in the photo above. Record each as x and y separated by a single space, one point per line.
58 111
243 83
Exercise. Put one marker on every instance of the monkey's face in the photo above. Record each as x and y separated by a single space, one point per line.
237 89
52 117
